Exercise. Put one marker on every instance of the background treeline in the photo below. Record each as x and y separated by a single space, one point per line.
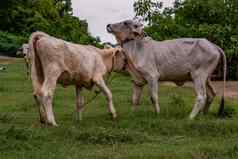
216 20
19 18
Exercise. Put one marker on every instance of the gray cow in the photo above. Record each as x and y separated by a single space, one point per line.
178 60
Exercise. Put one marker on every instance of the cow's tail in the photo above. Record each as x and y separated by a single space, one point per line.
33 41
222 103
37 74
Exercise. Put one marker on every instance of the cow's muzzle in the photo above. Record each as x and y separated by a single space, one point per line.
109 28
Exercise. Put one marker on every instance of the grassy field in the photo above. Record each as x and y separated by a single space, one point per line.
139 135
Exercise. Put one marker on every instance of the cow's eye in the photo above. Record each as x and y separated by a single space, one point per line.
125 23
136 26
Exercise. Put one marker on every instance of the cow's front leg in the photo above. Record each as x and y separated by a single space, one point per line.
106 91
136 95
153 86
79 103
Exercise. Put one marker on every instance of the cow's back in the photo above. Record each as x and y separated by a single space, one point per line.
171 59
78 63
189 52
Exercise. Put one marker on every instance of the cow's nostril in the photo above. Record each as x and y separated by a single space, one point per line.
109 28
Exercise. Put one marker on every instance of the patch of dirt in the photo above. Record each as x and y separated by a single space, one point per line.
231 88
7 60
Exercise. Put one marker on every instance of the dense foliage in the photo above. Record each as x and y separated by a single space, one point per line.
22 17
9 43
215 20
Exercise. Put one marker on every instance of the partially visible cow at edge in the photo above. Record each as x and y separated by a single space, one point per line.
56 61
24 51
178 60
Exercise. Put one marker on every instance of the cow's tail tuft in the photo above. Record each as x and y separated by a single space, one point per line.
222 103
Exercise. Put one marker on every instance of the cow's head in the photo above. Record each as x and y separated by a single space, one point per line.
23 50
126 30
114 59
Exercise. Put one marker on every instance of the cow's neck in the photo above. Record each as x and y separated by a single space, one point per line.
129 49
127 40
108 62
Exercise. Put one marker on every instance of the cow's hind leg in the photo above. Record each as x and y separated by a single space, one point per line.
106 91
79 103
136 95
41 109
45 97
37 85
153 87
199 81
210 96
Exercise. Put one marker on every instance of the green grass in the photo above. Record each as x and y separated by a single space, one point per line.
139 135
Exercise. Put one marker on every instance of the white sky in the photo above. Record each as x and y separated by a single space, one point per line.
99 13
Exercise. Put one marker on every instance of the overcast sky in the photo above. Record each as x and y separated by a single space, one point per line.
99 13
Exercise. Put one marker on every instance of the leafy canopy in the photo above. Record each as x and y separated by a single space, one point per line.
22 17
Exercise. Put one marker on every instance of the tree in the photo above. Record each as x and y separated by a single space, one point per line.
147 8
64 7
22 17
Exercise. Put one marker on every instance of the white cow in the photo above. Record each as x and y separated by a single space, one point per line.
57 61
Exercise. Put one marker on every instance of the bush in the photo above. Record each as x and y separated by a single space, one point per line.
9 43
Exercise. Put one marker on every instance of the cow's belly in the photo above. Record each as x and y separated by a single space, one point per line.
67 79
178 78
175 75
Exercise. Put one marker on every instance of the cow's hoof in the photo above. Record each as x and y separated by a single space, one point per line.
135 108
114 116
157 112
54 124
135 103
43 121
191 117
79 116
